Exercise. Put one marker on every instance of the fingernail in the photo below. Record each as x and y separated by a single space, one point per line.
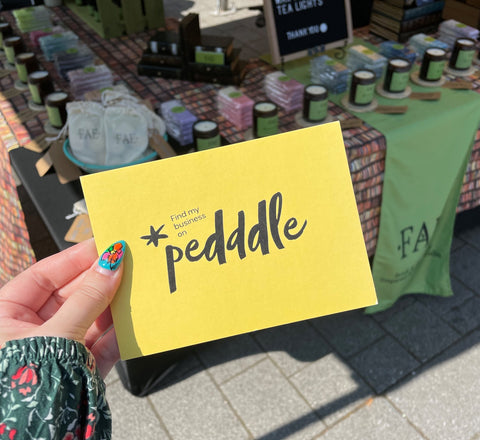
113 256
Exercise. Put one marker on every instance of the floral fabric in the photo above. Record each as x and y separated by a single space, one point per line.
50 389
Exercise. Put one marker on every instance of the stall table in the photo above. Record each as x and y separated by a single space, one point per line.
365 148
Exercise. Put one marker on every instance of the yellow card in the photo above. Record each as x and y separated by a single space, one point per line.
231 240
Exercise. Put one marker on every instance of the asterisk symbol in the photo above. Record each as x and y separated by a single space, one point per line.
154 236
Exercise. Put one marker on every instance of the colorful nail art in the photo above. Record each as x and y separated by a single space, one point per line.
113 256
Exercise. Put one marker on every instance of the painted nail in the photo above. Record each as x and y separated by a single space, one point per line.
113 256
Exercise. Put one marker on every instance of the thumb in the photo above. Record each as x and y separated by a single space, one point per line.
92 297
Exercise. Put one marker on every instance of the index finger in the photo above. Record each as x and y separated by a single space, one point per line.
34 286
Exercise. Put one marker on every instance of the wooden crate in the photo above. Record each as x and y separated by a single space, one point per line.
131 17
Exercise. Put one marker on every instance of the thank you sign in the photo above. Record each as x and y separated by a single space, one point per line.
298 28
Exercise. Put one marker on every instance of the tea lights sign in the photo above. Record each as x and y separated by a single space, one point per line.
297 28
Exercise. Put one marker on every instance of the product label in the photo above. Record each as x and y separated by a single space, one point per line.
435 70
177 109
267 126
206 144
317 110
399 82
364 94
10 53
207 57
54 116
464 59
22 72
35 92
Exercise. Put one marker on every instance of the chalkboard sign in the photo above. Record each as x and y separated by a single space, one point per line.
297 28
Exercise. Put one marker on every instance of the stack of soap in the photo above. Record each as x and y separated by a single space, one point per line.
179 121
284 91
330 73
392 49
36 35
361 57
236 107
32 18
450 30
421 42
59 42
89 78
72 59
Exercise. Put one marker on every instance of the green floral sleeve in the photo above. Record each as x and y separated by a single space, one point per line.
50 389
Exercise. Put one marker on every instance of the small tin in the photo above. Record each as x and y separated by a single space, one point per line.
396 78
462 54
40 86
206 135
56 104
362 87
25 64
315 103
265 119
5 32
12 46
433 64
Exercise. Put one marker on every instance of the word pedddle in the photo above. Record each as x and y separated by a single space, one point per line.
239 239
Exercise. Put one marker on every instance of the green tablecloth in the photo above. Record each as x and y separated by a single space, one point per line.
428 149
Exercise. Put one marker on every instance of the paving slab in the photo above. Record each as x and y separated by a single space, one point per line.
293 346
228 357
195 409
331 388
348 332
132 417
441 400
471 236
270 406
378 420
420 331
465 317
442 305
383 363
464 266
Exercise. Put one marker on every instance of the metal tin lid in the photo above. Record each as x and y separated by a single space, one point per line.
364 76
265 109
316 92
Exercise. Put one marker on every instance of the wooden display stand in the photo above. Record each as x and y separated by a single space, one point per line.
127 19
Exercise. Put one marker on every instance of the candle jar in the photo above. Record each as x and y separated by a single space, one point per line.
5 32
56 104
315 103
265 119
462 54
433 64
12 46
396 78
206 135
40 86
25 64
362 87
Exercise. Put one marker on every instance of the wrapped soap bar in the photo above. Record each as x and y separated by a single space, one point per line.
330 73
451 30
361 57
89 78
32 18
72 59
59 42
421 42
179 121
392 49
236 107
284 91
